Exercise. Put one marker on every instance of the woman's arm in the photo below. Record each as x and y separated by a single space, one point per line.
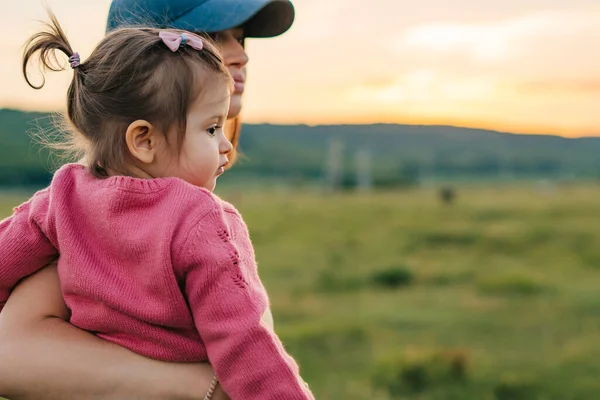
42 356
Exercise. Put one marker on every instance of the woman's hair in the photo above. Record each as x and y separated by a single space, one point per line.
130 75
233 128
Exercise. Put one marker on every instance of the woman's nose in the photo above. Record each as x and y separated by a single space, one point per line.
234 54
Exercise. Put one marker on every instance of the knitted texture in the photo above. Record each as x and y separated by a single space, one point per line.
158 266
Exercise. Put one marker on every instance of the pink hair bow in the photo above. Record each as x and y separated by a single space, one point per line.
175 41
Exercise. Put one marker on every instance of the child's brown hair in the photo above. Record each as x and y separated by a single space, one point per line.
130 75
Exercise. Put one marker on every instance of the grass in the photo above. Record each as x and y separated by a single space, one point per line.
394 296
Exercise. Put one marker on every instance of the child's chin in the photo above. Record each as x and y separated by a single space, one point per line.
210 185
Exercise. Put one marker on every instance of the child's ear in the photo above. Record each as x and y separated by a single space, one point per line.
142 141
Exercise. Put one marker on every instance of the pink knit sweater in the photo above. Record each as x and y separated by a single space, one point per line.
159 266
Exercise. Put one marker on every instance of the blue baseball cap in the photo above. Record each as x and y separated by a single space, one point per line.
259 18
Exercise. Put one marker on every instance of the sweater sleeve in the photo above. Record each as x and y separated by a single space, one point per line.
228 302
24 247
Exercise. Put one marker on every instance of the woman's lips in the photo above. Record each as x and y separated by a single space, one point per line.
239 81
239 86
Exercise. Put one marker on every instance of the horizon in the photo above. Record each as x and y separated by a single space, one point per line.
433 125
519 67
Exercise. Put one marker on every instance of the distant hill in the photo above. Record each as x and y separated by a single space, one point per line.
398 152
21 161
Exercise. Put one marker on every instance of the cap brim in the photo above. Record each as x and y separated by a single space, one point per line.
259 18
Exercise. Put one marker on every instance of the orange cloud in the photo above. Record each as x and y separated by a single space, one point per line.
578 87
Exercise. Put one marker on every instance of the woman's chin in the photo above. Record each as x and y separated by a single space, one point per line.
235 105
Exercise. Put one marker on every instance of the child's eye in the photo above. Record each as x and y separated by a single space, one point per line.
213 130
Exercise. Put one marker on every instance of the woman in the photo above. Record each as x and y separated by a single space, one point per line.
41 355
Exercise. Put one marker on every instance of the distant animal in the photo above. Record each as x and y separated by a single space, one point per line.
447 195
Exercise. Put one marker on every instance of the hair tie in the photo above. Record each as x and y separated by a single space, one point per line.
74 60
175 41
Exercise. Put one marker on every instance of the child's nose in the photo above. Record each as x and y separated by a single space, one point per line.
226 146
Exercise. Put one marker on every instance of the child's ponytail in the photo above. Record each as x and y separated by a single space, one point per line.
47 43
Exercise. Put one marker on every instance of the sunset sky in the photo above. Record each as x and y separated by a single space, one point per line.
530 66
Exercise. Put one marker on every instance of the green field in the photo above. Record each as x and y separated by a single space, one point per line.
394 296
